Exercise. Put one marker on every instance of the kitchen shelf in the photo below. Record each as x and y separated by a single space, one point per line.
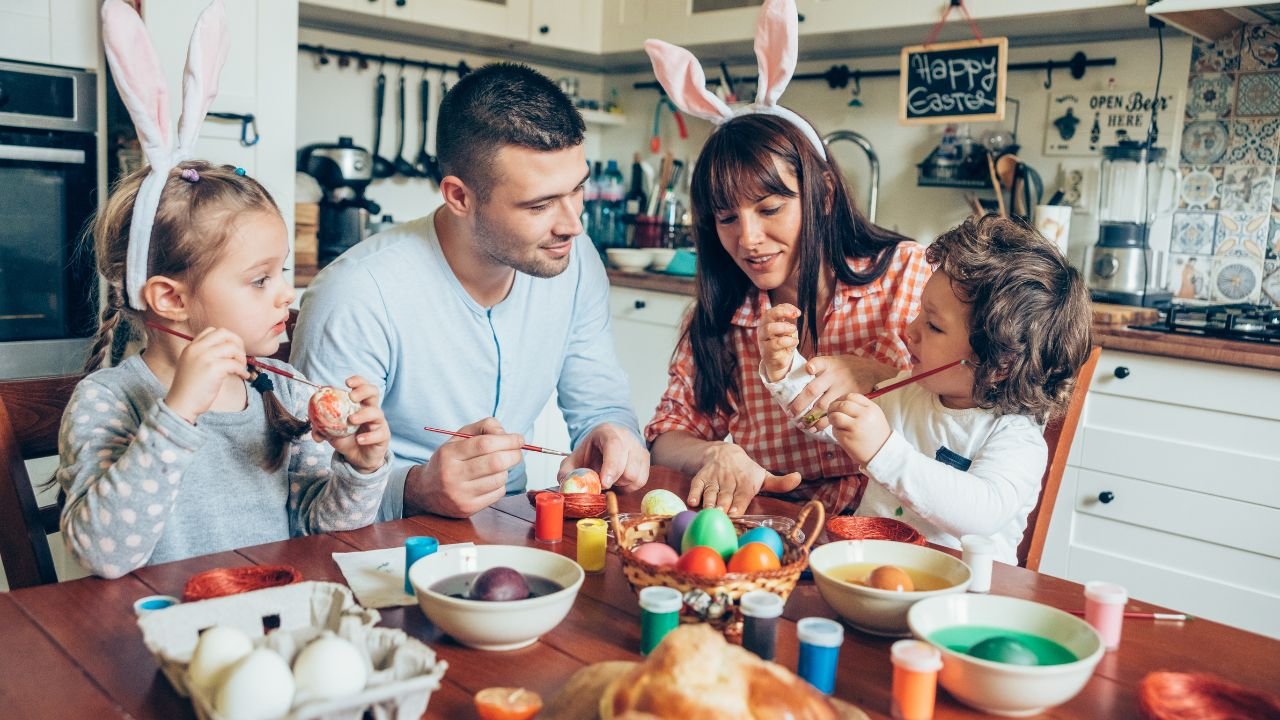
982 184
600 117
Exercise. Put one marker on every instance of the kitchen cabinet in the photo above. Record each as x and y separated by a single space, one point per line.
646 326
498 18
567 24
53 32
368 7
1173 488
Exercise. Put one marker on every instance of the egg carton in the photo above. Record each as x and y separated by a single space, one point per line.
285 619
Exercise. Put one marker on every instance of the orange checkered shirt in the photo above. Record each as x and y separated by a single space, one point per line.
867 320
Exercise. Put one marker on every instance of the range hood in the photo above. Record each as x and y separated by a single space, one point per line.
1213 19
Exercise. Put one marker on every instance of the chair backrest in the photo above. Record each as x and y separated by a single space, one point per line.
1058 435
282 354
30 414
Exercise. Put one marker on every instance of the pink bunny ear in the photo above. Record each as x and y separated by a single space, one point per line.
682 77
210 45
137 74
776 49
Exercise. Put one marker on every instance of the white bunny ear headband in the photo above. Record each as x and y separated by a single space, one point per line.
142 87
776 48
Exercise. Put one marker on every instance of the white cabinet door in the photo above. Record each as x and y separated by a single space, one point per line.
73 33
646 326
567 24
369 7
499 18
24 31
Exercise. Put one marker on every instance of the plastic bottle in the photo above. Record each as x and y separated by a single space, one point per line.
612 207
636 201
591 205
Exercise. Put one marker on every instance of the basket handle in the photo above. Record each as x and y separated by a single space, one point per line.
611 503
815 508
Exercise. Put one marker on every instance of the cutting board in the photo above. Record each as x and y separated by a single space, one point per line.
580 697
1105 314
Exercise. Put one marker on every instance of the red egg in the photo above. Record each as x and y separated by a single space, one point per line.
753 557
702 561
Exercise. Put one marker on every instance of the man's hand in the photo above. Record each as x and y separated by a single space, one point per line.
615 453
466 475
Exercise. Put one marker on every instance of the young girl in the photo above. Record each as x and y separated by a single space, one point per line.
962 451
185 450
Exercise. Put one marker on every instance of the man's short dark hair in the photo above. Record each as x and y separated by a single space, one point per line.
502 104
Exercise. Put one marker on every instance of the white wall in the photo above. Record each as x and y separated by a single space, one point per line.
917 212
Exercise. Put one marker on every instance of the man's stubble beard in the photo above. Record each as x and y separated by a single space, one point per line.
494 246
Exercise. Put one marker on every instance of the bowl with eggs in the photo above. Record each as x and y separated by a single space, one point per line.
873 583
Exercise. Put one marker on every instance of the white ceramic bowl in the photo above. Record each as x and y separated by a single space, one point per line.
1000 688
661 258
496 625
630 259
881 612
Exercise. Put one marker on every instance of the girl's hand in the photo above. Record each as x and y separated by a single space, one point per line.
729 479
365 449
778 338
203 366
859 426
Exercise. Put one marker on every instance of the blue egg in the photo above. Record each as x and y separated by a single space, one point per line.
766 535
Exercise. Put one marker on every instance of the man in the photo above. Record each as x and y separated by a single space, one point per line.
469 318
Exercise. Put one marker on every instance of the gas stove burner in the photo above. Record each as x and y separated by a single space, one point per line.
1237 321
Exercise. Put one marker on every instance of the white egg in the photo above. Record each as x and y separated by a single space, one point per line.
259 687
216 651
329 667
661 502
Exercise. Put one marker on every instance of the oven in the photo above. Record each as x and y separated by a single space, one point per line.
48 178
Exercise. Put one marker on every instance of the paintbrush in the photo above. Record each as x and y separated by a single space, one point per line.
1178 617
532 448
253 362
816 415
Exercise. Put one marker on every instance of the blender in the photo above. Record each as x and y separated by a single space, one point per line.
1135 188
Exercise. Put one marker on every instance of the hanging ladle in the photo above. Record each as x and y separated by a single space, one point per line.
382 167
403 167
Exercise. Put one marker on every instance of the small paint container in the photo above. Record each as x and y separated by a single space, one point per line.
593 543
659 615
416 548
1104 609
548 521
152 603
915 679
978 552
820 641
760 612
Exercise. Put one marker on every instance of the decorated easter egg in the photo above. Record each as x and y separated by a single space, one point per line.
766 535
656 553
581 480
504 703
701 561
675 529
500 584
890 577
711 528
753 557
328 410
661 502
1004 649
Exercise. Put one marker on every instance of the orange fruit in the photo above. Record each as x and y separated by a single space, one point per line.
702 561
504 703
753 557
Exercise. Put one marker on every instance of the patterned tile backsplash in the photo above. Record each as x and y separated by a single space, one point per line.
1226 231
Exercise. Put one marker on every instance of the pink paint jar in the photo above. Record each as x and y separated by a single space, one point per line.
1104 609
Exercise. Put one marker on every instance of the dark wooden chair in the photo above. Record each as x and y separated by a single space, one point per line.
283 353
1058 434
30 414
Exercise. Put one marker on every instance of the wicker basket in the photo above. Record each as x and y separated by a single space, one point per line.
576 505
731 586
856 527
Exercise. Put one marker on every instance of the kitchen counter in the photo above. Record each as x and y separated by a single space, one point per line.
657 282
1188 347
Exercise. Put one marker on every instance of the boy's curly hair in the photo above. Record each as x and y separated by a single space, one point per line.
1029 313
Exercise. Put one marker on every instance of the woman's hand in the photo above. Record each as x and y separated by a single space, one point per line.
729 479
366 448
203 365
860 427
778 337
835 376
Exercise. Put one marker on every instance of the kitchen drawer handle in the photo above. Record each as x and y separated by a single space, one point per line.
640 304
1106 496
1122 372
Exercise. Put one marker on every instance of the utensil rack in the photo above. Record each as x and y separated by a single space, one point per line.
364 59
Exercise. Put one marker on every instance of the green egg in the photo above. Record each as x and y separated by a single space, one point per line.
1003 649
712 528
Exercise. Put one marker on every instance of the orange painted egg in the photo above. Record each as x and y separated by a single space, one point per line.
328 410
753 557
702 561
499 703
581 480
890 577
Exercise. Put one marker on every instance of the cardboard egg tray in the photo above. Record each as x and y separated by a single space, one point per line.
285 619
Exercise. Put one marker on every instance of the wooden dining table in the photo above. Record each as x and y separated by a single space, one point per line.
74 650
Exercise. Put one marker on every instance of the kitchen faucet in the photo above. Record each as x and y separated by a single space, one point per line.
872 160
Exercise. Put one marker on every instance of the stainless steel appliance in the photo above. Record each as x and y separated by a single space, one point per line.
1136 187
343 171
1241 321
48 175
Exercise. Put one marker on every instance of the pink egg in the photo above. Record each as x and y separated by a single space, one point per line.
656 553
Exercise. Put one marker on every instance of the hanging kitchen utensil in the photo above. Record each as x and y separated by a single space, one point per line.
382 167
426 163
1028 190
403 167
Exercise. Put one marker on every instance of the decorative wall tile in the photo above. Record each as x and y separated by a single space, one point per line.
1189 276
1216 56
1247 188
1200 187
1236 280
1271 282
1259 94
1212 95
1254 141
1193 233
1241 235
1273 237
1260 48
1205 142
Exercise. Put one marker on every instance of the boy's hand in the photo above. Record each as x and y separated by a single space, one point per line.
203 366
365 449
859 425
778 338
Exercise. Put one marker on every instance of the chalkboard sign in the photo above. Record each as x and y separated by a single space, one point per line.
950 82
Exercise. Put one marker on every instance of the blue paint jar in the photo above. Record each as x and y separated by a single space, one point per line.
416 548
820 641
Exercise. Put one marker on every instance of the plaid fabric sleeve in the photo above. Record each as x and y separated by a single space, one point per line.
678 408
904 281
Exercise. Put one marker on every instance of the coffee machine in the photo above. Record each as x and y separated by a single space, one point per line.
1135 188
343 171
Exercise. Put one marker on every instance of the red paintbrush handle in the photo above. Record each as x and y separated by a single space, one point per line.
914 378
532 448
252 361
